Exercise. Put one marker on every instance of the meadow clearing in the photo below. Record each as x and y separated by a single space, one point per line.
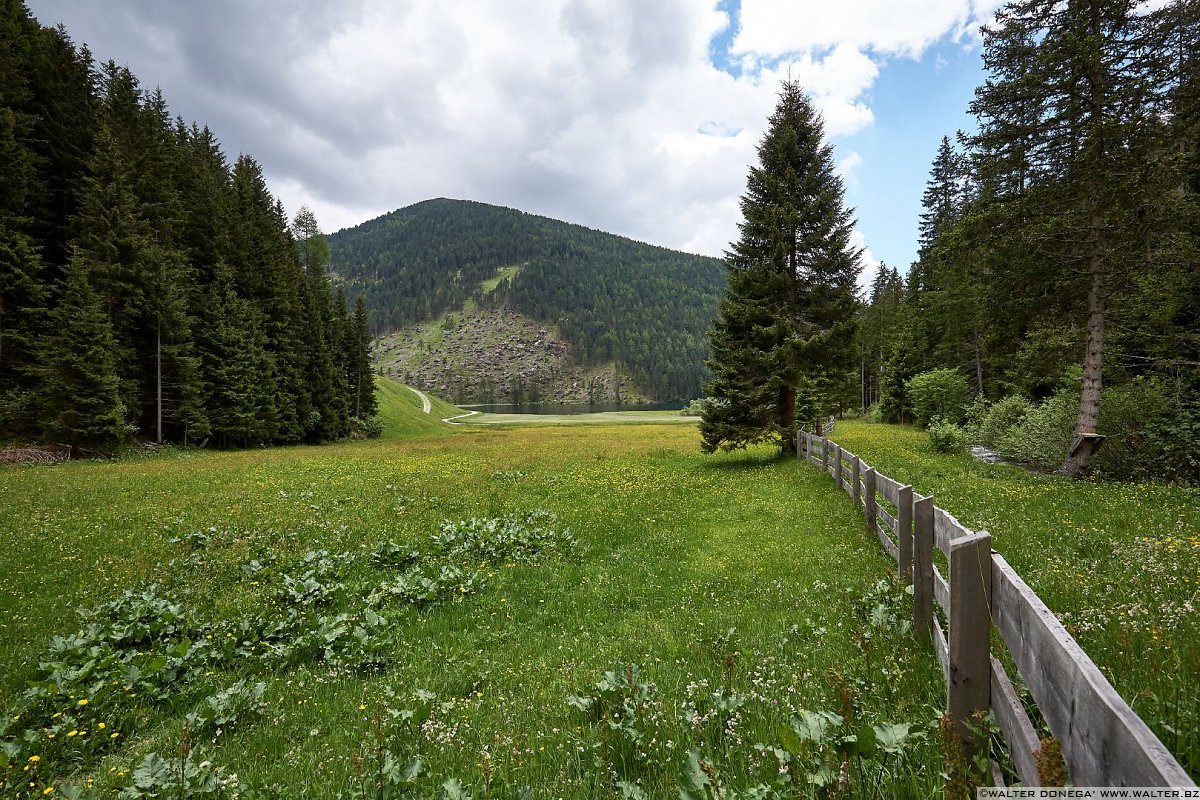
317 619
459 611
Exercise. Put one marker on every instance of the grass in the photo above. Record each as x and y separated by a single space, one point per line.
667 553
597 418
1119 563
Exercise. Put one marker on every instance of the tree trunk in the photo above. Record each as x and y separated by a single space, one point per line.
787 418
158 379
1086 441
1076 463
978 366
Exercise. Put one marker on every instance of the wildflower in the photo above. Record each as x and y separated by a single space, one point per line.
48 790
114 735
101 726
35 759
72 733
83 702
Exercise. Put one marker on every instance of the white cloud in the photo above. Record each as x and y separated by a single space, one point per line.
889 27
604 112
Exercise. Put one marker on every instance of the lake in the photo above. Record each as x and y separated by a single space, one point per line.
568 408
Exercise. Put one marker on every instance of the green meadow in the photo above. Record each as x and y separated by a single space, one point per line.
517 611
435 612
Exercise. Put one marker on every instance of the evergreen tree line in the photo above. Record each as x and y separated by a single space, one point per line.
147 287
1059 254
615 300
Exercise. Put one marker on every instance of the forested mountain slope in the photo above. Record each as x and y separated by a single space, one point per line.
612 299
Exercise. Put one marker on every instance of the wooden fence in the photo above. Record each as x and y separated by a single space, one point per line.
1104 743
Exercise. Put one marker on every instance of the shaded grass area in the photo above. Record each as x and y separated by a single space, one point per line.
1119 563
671 551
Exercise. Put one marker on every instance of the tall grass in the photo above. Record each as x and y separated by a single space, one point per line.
1119 563
671 552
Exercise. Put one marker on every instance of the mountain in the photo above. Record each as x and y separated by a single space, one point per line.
602 304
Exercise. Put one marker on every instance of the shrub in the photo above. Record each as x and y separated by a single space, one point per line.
874 413
946 437
365 428
997 419
938 393
1043 436
696 408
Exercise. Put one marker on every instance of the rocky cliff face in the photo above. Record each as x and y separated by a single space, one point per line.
497 356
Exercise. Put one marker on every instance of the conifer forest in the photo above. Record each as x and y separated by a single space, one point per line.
148 287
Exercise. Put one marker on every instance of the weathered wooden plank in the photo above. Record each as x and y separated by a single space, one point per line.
848 487
888 545
1103 742
889 488
886 518
941 647
904 532
969 690
1019 735
941 590
869 497
946 529
857 469
923 567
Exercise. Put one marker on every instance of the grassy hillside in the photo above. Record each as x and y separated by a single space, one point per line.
351 583
610 298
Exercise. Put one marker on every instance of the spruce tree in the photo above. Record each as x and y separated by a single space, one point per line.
82 400
788 317
1062 121
362 379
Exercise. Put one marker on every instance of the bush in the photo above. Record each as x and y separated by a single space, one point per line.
365 428
696 408
1044 434
997 420
946 437
874 413
938 393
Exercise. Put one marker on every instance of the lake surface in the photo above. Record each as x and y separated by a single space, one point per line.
565 408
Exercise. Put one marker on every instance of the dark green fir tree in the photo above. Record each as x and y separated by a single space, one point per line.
788 318
82 405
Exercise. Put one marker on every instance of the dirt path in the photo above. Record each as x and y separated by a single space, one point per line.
425 405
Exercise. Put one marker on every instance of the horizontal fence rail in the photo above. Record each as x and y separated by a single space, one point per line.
1104 743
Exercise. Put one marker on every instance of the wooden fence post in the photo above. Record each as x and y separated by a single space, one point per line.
869 491
969 688
837 468
799 441
857 477
923 568
904 538
825 454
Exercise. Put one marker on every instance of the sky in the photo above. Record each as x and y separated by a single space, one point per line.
638 118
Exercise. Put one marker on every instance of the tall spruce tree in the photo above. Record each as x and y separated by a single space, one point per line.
788 317
82 401
1062 118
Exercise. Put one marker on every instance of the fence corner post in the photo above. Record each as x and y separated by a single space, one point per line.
869 497
799 440
969 688
923 568
904 538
